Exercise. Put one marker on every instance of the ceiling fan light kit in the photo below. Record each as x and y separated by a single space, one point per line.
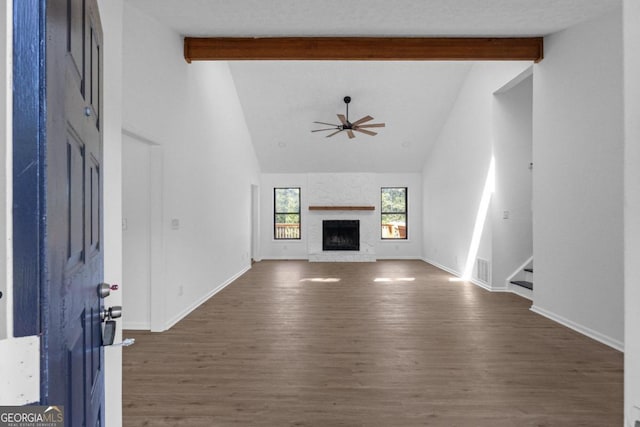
345 125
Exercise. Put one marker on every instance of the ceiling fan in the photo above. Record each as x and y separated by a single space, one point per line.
346 125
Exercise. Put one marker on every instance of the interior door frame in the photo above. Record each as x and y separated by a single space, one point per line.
157 298
255 224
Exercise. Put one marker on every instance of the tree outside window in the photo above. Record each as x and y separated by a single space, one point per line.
393 209
286 213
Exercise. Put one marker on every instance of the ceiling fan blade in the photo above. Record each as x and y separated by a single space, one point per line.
350 133
373 125
331 134
343 119
362 120
319 130
328 124
368 132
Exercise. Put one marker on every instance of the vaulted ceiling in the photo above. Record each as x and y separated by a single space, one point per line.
281 99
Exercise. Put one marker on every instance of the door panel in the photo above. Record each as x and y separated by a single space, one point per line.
95 71
75 200
75 39
74 410
73 373
94 200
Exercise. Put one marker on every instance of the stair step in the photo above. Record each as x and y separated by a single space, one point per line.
523 283
529 270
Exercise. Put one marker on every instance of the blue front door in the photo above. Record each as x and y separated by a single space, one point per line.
72 362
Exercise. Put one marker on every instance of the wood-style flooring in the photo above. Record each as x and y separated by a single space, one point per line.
392 343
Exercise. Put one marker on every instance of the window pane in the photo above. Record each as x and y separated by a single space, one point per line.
286 215
394 226
288 218
287 200
394 200
393 213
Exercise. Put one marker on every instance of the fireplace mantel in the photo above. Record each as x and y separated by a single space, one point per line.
342 208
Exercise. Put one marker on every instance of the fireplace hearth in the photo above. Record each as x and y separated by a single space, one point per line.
341 235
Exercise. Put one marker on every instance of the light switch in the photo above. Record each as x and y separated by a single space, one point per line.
505 215
175 224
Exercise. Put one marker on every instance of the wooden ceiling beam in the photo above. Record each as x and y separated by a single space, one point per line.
364 48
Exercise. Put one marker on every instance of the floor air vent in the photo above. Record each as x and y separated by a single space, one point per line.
483 270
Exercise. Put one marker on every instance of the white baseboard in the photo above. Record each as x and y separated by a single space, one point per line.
483 285
136 326
613 343
307 258
442 267
172 322
396 257
520 291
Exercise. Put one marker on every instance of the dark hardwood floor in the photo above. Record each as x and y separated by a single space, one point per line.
392 343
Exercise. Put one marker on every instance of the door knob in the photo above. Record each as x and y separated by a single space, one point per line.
114 312
104 290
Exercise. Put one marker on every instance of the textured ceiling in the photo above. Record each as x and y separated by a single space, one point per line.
282 99
371 17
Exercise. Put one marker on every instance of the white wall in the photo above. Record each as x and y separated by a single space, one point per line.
456 170
512 240
292 249
193 111
578 179
632 210
111 16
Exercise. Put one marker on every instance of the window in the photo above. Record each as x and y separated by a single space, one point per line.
286 213
393 208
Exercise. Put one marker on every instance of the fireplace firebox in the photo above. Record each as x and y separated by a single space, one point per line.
341 235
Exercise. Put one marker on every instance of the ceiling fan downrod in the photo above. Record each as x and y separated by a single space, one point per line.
347 100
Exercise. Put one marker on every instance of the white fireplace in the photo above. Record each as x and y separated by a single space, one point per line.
345 197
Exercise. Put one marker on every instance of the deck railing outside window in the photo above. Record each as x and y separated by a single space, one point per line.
287 231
